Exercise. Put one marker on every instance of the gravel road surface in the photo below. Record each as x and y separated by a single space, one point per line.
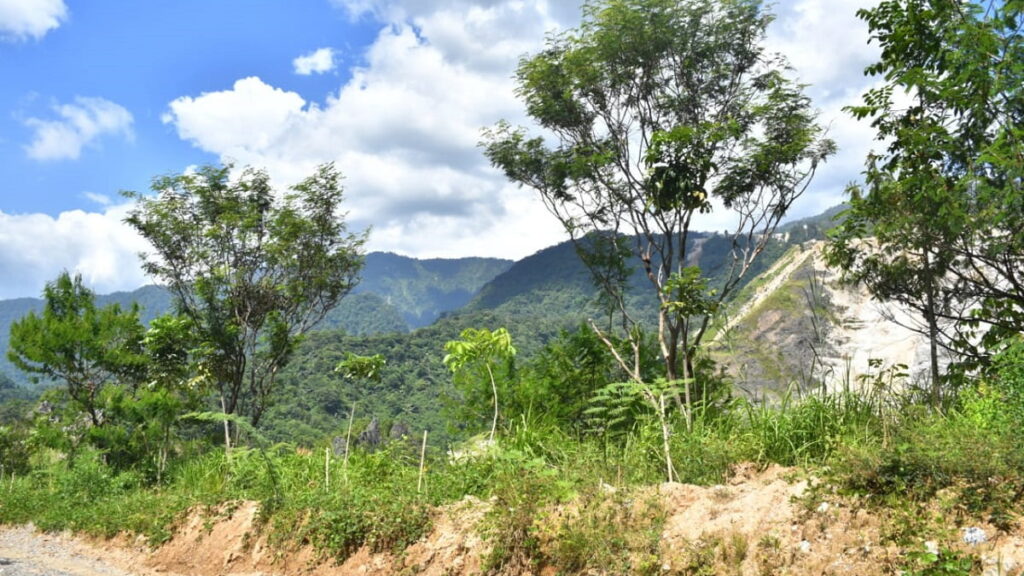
26 552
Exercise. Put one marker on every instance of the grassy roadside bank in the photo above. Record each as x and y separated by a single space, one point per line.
923 469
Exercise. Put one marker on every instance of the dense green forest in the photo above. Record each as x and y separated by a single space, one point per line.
536 298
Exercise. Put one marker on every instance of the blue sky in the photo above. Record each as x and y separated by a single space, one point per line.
101 96
141 56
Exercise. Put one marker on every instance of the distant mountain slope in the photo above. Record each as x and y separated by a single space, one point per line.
395 294
555 283
553 279
421 290
797 324
812 227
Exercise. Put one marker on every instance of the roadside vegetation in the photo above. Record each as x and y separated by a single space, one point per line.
889 449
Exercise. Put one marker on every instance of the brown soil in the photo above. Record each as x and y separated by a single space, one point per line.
762 522
228 542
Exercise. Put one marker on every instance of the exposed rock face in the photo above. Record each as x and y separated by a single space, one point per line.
339 445
867 330
370 437
798 325
400 431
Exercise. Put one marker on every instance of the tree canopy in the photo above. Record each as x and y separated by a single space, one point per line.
251 270
476 353
654 113
84 347
939 222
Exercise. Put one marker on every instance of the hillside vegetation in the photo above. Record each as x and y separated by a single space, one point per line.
536 298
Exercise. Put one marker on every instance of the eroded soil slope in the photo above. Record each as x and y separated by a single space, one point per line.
760 522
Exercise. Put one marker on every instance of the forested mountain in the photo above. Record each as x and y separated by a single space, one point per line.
537 298
421 290
406 309
554 282
395 294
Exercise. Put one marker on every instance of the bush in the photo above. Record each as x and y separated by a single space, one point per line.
521 490
1008 377
973 450
14 450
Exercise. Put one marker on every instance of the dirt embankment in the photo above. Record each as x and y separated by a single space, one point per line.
761 522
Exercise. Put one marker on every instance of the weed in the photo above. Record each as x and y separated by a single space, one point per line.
770 555
522 488
612 533
735 551
701 557
923 562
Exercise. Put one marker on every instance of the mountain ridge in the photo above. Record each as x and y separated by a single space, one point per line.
395 294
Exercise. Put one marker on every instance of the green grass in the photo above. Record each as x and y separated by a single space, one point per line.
899 456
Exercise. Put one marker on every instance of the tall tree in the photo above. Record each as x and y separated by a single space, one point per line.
84 347
939 221
251 270
655 113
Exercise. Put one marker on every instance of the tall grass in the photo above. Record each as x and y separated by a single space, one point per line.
376 499
810 429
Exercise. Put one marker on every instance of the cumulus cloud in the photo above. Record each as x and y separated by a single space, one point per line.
77 125
319 61
404 127
34 248
24 19
246 120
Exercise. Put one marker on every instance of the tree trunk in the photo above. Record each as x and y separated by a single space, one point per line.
227 428
494 390
669 337
933 350
933 335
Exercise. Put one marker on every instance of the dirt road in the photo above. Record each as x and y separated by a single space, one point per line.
26 552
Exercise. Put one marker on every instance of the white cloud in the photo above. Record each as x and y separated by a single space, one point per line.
34 248
245 121
319 61
101 199
24 19
78 125
827 45
404 128
404 131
